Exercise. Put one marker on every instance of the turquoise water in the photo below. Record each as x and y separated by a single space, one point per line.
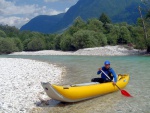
81 69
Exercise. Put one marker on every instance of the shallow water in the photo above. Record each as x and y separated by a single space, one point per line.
81 69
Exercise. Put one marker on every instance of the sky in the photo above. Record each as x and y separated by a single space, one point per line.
18 12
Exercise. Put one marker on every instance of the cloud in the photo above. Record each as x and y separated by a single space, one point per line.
13 21
9 8
66 9
14 15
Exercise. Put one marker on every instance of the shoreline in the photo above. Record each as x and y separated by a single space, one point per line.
96 51
20 82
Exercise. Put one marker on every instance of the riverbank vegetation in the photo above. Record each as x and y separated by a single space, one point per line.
147 19
92 33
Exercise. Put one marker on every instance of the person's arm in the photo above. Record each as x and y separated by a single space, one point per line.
114 75
99 71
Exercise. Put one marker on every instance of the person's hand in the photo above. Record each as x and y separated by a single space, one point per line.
99 69
114 83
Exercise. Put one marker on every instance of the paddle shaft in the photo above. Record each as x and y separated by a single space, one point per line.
123 92
109 78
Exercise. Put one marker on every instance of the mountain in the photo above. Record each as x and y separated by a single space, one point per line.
117 10
43 23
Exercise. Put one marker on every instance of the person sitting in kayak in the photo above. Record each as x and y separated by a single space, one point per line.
109 71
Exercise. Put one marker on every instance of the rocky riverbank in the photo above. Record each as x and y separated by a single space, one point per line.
97 51
20 83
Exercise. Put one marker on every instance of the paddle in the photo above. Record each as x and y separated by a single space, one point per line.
123 92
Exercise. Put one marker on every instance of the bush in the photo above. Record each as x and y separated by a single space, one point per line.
18 44
84 39
57 41
36 44
102 39
25 44
49 40
95 25
7 46
124 36
2 34
66 43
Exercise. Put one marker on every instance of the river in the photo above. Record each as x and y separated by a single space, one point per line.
81 69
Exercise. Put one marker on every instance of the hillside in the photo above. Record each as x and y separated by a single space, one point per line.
42 23
117 10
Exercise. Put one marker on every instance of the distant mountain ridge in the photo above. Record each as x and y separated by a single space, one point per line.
117 10
43 23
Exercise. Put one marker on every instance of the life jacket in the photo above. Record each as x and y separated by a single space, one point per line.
109 74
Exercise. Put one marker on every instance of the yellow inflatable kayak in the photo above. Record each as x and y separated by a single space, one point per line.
78 92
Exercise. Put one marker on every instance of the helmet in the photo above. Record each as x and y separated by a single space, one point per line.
106 62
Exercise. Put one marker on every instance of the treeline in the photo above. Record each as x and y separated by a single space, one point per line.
93 33
146 20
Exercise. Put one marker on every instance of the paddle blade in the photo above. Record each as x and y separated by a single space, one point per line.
125 93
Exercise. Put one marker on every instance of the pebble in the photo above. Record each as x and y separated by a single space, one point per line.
99 51
20 83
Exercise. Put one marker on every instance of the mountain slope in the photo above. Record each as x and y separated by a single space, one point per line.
42 23
117 10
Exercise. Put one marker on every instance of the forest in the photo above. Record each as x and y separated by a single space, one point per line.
94 32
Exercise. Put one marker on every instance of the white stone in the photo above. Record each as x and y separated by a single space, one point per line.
20 83
100 51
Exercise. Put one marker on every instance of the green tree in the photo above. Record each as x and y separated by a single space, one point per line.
66 43
71 30
140 44
24 35
123 24
112 39
139 22
10 31
102 39
2 34
108 28
104 18
25 44
7 46
124 37
77 25
36 44
135 33
113 34
84 39
95 25
147 19
49 40
18 44
57 41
